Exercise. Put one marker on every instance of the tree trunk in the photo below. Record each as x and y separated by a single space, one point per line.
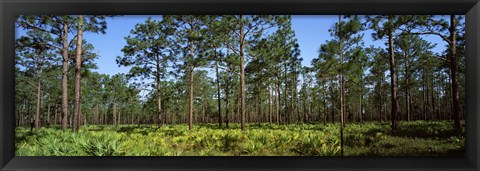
64 76
84 120
191 89
114 112
119 117
242 72
37 113
305 118
260 100
361 93
227 98
48 111
219 100
341 85
55 114
278 101
159 94
325 112
393 78
257 94
434 110
78 65
453 73
407 88
95 115
286 111
270 107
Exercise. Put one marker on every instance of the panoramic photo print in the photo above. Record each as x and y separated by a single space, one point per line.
240 85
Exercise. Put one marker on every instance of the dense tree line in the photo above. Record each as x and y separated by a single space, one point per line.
258 74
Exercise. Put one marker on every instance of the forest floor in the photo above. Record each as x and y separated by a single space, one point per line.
416 138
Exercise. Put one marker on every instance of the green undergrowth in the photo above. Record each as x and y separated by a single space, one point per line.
418 138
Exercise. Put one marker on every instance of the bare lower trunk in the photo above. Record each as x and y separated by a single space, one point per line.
191 89
227 98
114 112
64 76
270 107
37 113
342 123
191 99
78 65
242 73
48 111
278 101
393 78
453 73
219 100
95 115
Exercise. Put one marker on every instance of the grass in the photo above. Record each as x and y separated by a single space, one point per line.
417 138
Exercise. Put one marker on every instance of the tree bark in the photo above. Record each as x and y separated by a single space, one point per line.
342 124
65 59
55 112
191 87
270 107
48 110
219 100
278 101
78 65
159 94
242 72
407 88
453 73
393 77
114 112
37 113
285 112
227 98
95 115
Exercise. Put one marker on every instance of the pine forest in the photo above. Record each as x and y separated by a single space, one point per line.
240 85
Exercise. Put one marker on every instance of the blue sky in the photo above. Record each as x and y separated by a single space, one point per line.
311 31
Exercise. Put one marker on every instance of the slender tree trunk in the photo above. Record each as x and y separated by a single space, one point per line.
239 99
119 118
191 89
305 111
95 115
227 98
48 111
64 76
270 107
453 73
260 100
433 94
361 104
286 111
293 100
424 97
78 65
341 85
105 116
219 100
55 114
114 112
278 101
70 118
257 94
37 113
393 78
159 94
242 72
325 111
